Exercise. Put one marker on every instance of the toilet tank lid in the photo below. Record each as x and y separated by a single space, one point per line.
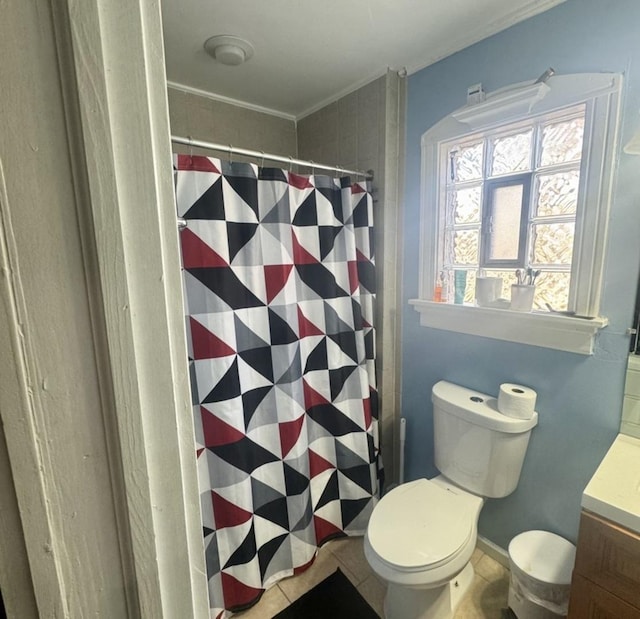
477 408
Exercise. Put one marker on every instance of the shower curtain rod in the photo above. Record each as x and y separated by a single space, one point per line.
262 155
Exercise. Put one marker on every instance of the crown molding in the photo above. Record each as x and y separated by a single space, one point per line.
236 102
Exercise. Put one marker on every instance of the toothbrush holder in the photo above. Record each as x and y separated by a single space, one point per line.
522 297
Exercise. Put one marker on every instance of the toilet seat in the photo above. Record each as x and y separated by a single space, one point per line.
422 525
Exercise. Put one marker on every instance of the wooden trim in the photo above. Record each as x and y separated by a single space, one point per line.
123 121
534 328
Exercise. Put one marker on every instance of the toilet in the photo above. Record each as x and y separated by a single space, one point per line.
422 533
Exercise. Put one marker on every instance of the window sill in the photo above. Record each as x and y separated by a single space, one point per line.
566 333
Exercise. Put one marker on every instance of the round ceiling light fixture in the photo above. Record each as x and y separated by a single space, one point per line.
228 49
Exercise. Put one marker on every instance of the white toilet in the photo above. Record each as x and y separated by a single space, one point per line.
421 534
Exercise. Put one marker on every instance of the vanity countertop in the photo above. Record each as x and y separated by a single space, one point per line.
614 489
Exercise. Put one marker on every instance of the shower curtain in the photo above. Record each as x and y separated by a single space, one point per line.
279 287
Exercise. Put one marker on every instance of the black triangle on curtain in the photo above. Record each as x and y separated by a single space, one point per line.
209 205
307 214
238 235
246 188
245 552
227 388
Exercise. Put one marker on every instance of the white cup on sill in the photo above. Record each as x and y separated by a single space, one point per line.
522 297
488 289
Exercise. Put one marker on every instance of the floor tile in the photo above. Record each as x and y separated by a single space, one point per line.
325 564
270 604
484 600
476 556
490 569
373 590
350 552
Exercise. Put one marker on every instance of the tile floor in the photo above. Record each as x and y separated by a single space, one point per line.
485 599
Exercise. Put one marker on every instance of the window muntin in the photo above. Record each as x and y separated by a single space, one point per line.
543 156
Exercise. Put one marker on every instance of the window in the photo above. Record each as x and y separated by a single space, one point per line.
510 203
521 180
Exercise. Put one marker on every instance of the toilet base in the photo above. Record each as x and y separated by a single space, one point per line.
435 603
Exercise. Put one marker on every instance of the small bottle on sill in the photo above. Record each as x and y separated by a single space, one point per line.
440 291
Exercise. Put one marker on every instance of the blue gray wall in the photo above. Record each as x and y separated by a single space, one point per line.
579 397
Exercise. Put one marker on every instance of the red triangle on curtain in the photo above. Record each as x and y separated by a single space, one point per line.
317 464
306 327
217 432
353 275
275 277
303 568
289 433
196 163
366 403
311 396
361 257
196 253
357 188
325 529
236 593
299 182
206 345
300 254
226 513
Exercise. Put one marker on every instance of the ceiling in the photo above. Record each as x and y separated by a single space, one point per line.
308 54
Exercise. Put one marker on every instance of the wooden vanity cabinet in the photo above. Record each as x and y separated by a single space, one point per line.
606 576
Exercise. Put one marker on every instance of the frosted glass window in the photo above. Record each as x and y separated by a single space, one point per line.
552 289
558 193
507 186
465 247
553 243
464 204
511 153
466 162
504 232
562 141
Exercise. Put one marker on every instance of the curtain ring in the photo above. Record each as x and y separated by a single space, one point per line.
190 148
313 167
290 163
230 153
262 159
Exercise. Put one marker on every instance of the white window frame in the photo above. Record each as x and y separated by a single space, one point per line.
600 92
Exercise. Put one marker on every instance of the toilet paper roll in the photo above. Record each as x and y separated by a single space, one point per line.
516 401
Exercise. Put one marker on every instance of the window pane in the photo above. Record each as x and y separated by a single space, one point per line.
466 162
552 288
552 243
465 205
562 142
465 247
506 209
511 153
558 193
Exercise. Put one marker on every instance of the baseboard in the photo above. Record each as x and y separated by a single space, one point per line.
493 550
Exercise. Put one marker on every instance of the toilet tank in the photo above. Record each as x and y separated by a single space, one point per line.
476 446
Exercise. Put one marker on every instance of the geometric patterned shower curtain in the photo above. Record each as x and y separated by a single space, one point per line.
279 286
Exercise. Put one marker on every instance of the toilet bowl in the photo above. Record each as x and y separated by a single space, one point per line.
421 534
420 539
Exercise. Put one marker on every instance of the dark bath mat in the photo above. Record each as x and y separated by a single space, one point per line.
334 598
